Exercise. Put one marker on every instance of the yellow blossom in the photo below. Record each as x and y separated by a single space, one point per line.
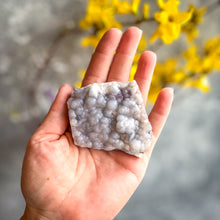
210 63
200 83
133 71
93 39
194 61
216 64
165 74
90 41
208 59
212 51
100 14
135 6
178 77
165 71
200 61
191 32
126 7
143 43
146 11
190 27
122 7
153 93
170 21
212 46
136 57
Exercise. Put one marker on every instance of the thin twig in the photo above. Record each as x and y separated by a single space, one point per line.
137 22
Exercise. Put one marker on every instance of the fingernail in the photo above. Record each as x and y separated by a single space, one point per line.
137 29
171 91
140 31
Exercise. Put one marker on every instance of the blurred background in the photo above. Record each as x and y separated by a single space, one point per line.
40 49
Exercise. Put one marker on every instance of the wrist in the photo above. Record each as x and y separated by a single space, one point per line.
32 214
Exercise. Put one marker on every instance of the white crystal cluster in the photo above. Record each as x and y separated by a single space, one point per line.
110 116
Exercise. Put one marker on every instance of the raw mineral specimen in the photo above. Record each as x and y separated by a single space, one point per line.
110 116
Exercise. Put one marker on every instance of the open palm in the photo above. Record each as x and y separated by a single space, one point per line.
63 181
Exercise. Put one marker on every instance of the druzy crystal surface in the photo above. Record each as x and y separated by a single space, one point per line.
110 116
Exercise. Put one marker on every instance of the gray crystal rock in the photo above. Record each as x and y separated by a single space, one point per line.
110 116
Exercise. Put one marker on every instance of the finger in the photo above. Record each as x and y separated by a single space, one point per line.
160 111
98 68
144 72
121 64
159 115
56 121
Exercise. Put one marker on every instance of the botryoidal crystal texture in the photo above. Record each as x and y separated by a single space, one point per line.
110 116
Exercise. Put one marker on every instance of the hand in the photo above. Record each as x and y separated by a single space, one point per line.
63 181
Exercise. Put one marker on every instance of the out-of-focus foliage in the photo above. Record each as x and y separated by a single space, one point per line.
170 21
190 28
188 69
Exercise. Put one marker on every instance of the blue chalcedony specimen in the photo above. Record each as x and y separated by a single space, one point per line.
110 116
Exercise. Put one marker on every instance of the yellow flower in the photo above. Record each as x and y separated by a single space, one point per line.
90 41
165 71
194 62
212 46
200 83
190 27
190 31
126 7
100 14
153 93
146 9
165 74
93 39
212 51
208 64
134 6
208 60
170 21
133 71
216 64
178 77
143 43
122 7
136 57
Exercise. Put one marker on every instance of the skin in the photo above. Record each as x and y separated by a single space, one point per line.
63 181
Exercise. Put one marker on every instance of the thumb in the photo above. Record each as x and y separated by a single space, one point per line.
56 121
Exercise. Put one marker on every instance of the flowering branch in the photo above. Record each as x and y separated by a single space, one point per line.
172 23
